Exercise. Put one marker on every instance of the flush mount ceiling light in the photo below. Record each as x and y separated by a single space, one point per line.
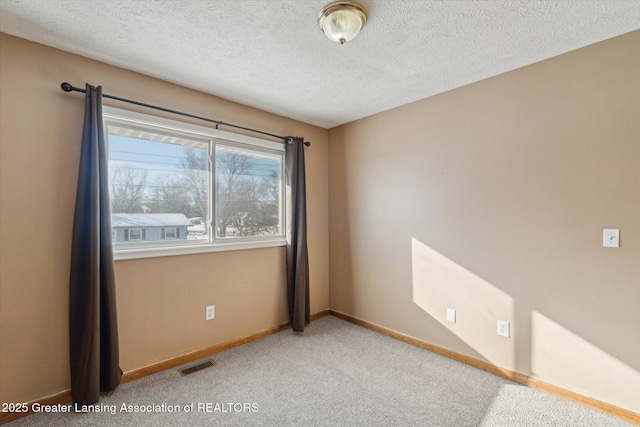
341 21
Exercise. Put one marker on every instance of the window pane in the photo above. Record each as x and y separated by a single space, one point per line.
170 233
248 192
135 234
158 181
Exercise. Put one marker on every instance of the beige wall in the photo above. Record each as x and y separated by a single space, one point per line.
491 199
160 301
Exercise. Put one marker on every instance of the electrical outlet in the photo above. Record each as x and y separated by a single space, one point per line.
503 328
451 315
209 312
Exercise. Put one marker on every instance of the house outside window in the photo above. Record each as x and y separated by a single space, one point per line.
149 227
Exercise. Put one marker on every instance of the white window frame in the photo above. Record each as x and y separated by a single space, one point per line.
175 247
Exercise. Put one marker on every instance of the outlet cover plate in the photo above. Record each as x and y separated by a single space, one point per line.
503 328
210 312
451 315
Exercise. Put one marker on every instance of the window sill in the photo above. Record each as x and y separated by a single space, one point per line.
136 253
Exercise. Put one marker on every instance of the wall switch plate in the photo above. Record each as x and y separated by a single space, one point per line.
503 328
451 315
210 312
611 238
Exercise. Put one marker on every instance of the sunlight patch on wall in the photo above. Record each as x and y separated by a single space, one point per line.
439 283
562 358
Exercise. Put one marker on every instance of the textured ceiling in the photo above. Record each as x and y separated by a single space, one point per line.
270 54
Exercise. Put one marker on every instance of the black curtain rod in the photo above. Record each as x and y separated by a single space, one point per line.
67 87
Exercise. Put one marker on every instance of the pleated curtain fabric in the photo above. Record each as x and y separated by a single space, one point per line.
296 224
93 328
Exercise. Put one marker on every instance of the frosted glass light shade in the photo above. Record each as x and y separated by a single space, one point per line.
342 21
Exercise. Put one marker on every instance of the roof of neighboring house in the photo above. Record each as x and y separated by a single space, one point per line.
148 220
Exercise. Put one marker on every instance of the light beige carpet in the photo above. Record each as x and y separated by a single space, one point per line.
335 374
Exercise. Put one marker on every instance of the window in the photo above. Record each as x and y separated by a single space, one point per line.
180 188
133 234
170 233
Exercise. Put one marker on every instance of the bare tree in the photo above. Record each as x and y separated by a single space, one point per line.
195 173
268 213
257 212
127 189
247 201
169 195
230 168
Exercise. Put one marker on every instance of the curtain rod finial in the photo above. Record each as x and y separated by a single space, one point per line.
66 87
289 140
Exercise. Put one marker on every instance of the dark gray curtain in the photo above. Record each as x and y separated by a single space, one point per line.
296 221
93 329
